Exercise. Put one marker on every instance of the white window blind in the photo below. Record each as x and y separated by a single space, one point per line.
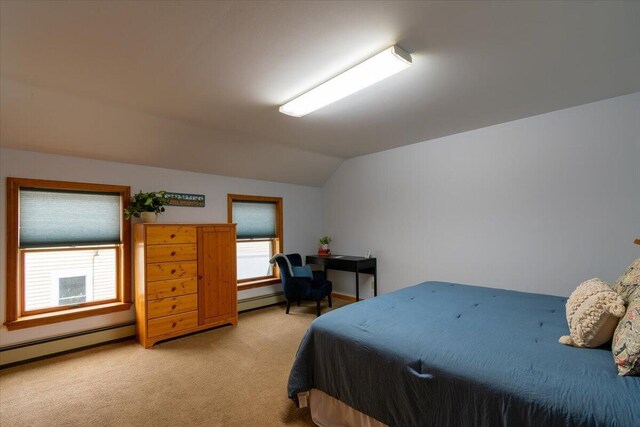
53 218
256 220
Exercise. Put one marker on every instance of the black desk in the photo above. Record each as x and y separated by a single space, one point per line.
356 264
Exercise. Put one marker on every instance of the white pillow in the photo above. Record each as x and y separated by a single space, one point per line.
593 312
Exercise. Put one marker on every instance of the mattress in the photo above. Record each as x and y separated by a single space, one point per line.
449 354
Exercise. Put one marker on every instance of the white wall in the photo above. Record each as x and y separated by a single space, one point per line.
538 204
302 214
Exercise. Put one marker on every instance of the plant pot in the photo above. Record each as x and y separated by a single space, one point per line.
149 216
324 247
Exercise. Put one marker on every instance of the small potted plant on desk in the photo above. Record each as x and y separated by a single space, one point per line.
324 245
146 206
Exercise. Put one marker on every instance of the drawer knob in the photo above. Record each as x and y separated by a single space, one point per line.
173 307
174 325
173 253
173 271
173 289
173 235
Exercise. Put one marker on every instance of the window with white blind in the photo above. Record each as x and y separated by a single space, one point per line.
259 237
69 251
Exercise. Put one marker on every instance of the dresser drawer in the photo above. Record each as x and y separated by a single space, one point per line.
167 306
171 288
168 253
169 234
171 270
174 323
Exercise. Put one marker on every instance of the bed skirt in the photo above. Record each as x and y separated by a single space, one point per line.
327 411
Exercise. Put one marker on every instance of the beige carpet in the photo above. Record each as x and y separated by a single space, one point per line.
230 376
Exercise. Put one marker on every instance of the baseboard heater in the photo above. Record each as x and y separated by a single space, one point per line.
261 301
30 351
34 350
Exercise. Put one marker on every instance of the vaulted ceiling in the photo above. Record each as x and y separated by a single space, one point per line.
197 85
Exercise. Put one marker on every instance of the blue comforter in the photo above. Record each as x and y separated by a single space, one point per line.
443 354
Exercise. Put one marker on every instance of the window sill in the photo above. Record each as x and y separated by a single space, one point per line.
72 314
258 283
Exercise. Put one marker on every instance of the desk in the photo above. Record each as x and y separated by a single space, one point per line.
355 264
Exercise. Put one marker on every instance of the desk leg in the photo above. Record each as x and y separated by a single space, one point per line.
357 283
375 281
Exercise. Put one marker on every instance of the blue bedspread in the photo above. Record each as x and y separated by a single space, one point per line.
443 354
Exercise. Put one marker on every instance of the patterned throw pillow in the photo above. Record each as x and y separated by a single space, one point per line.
626 341
593 312
628 285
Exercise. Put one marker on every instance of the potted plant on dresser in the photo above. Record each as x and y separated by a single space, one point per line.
146 206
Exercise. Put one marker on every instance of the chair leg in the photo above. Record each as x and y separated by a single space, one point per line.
288 305
329 298
318 308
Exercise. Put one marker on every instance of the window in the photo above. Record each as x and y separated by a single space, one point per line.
72 290
253 259
68 251
259 237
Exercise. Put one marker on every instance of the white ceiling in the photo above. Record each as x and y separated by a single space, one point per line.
225 67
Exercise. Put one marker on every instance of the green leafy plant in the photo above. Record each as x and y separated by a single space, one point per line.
146 202
325 240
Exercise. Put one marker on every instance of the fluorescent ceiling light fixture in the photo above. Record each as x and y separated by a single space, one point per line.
378 67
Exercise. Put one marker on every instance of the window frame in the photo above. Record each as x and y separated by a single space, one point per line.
16 316
278 241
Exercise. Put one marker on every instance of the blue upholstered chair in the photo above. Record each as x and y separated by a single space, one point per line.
303 288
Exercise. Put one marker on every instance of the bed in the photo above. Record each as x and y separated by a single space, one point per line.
445 354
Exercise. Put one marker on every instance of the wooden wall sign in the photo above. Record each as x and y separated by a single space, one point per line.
185 200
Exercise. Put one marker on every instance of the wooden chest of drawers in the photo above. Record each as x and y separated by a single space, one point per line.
185 279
